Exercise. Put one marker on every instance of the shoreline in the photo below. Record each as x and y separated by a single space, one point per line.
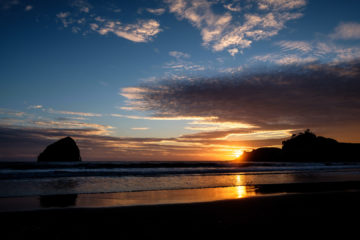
301 210
166 197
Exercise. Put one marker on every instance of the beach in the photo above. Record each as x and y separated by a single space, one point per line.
327 211
170 201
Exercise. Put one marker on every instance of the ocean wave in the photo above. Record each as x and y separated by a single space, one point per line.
51 170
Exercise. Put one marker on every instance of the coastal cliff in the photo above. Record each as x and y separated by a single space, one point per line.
306 147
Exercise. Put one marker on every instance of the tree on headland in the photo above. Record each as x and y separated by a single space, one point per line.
306 146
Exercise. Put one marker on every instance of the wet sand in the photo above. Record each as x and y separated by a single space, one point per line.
302 214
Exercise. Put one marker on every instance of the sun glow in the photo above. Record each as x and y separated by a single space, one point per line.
238 153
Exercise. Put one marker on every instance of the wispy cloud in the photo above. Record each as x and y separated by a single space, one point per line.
82 20
156 11
319 50
181 63
234 7
82 114
65 18
178 54
165 118
213 125
295 45
349 30
183 66
142 31
233 51
93 128
220 31
292 59
35 107
28 8
259 135
281 4
82 5
140 128
9 112
232 70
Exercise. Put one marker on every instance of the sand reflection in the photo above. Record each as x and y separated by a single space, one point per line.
164 196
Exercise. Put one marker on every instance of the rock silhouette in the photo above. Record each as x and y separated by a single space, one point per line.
306 147
64 150
263 155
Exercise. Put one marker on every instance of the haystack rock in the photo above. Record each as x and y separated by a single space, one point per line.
64 150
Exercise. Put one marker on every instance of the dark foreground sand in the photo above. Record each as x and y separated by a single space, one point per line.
283 216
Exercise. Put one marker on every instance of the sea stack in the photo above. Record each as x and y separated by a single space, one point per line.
64 150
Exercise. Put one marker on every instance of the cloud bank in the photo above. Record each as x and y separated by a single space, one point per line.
305 96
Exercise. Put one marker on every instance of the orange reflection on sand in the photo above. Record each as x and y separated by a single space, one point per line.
164 196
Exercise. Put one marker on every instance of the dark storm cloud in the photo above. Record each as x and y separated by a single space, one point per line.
301 96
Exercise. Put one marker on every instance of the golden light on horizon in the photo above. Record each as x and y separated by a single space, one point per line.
238 153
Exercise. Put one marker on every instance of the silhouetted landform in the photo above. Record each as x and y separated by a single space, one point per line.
306 147
64 150
67 200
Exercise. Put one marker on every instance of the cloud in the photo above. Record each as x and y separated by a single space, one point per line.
232 70
183 66
212 125
82 114
260 135
132 92
156 11
292 59
142 31
35 107
234 7
178 54
76 120
165 118
82 5
28 8
65 18
9 112
295 45
347 31
302 96
223 30
140 128
25 143
83 20
180 64
94 128
303 52
281 4
233 51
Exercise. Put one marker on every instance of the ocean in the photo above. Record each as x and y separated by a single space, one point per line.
142 183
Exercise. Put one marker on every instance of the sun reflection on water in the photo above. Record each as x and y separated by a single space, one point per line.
241 190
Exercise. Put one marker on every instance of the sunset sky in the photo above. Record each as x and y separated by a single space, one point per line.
176 79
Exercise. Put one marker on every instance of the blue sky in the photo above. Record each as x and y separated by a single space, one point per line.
175 79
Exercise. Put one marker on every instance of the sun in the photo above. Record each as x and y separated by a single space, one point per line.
238 153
